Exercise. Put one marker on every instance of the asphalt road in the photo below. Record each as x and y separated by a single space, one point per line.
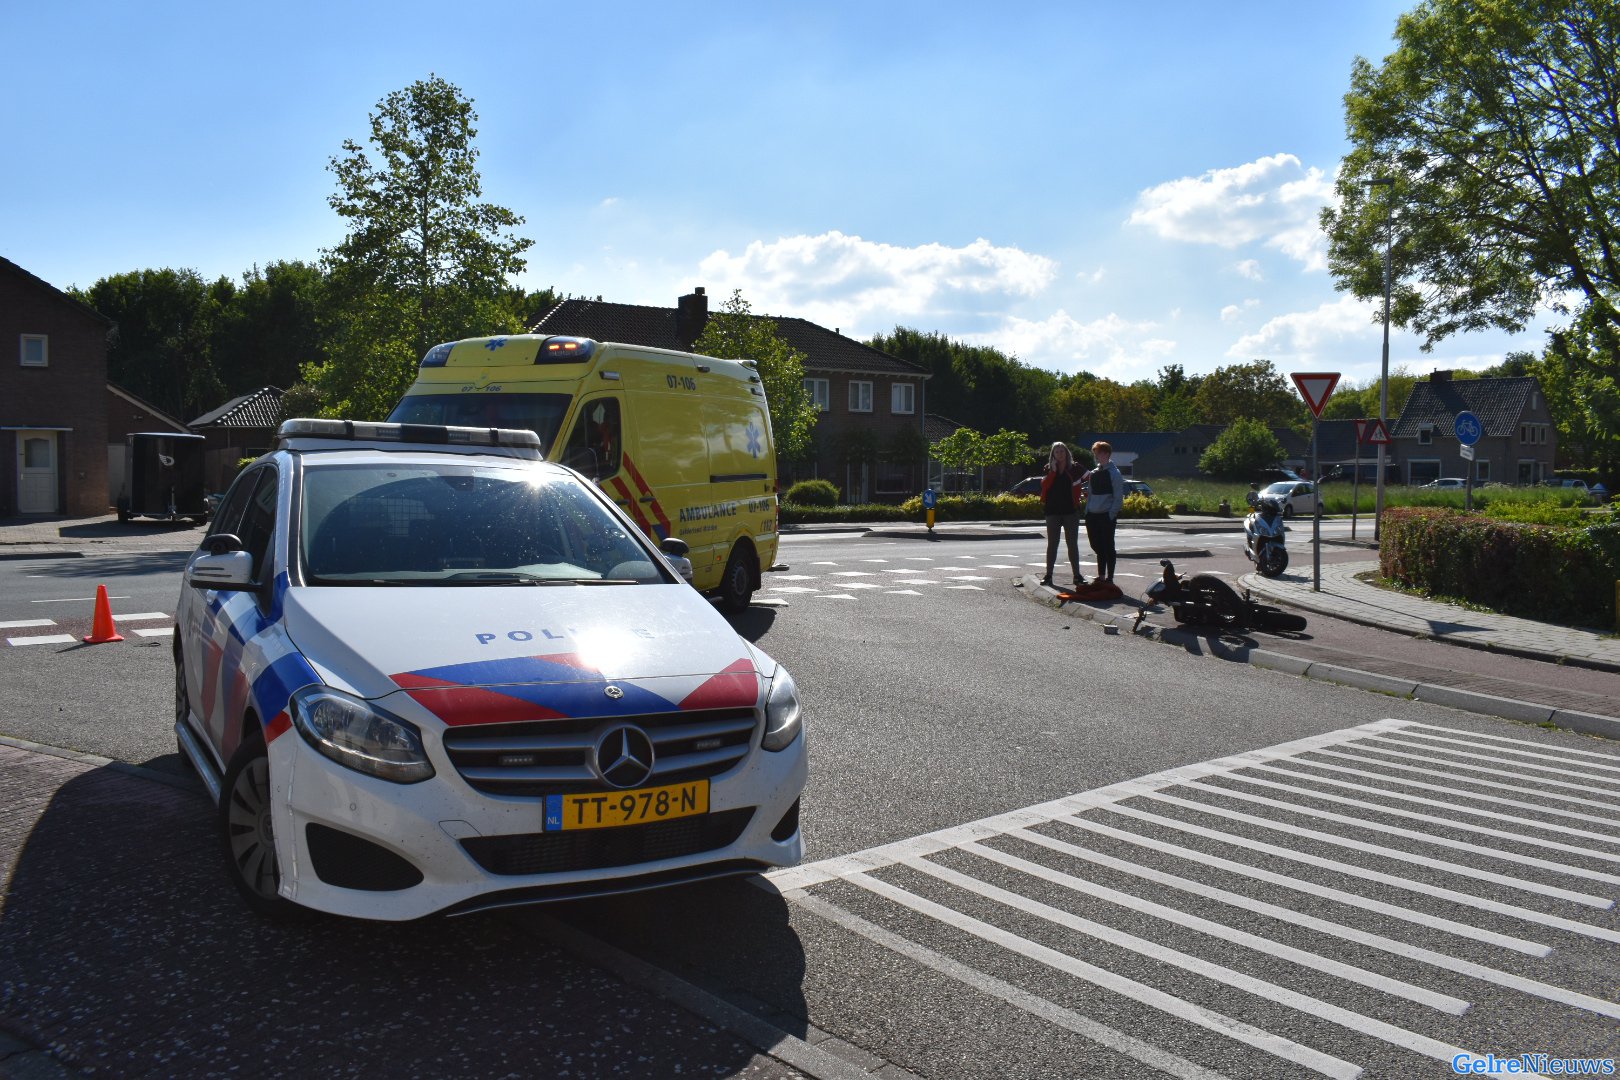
1396 901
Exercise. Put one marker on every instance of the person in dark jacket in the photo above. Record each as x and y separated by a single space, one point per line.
1105 498
1060 500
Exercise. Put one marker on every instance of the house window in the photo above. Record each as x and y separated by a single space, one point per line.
903 398
1422 470
820 391
1425 434
34 351
860 396
1482 470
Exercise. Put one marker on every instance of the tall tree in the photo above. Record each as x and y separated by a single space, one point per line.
1253 391
735 333
1498 124
424 260
270 329
163 323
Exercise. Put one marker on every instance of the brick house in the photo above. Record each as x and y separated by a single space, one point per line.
869 439
53 399
1519 441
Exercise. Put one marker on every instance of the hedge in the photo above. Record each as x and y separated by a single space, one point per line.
955 508
1549 573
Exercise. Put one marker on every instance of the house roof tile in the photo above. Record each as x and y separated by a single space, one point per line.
260 409
655 327
1498 402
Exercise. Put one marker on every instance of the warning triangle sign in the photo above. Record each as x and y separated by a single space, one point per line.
1377 434
1316 388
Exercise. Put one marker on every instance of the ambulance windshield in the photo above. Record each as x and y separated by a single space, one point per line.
540 413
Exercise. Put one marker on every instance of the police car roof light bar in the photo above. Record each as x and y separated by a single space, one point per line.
368 431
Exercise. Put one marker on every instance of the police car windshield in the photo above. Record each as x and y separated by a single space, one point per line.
539 413
458 525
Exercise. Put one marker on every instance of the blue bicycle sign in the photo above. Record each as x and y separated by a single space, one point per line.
1469 429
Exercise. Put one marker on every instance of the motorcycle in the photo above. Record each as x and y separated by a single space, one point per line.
1263 539
1206 600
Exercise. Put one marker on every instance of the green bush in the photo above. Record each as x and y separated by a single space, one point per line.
1549 573
817 515
1144 506
812 493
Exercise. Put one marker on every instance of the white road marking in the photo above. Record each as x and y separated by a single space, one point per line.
791 589
1149 1055
975 588
902 592
167 631
45 639
139 616
1521 753
1410 834
1286 1049
861 585
18 624
1456 778
851 573
1412 729
75 600
1500 772
796 577
835 596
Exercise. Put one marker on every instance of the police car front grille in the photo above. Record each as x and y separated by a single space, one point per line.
552 757
601 849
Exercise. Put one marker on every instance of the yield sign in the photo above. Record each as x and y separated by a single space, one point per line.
1316 388
1377 433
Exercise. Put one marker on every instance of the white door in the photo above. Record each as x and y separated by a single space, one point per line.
36 472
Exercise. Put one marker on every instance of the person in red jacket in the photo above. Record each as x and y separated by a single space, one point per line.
1060 500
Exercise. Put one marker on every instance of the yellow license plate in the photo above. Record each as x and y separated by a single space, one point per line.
611 809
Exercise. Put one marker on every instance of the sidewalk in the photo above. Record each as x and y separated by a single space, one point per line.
58 537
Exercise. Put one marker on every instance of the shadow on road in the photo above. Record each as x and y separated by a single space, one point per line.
102 567
127 951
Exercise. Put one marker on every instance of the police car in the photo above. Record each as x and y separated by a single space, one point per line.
422 670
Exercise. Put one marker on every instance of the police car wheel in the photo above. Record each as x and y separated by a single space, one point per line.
246 832
182 705
737 583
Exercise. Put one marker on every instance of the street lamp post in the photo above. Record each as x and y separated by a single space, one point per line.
1383 378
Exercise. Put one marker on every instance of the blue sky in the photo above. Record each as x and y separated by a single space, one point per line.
1093 186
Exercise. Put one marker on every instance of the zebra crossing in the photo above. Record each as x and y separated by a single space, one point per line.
917 575
1396 898
38 629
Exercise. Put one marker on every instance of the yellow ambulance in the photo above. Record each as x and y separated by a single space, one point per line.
681 442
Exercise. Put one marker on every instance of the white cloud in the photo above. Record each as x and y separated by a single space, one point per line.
1274 200
851 283
1109 346
1249 268
1231 312
1091 278
1303 335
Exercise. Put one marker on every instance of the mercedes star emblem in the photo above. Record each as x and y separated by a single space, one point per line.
624 756
614 692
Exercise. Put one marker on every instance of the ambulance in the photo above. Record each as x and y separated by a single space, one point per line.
681 442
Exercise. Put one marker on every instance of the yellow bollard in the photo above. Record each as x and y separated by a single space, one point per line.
931 529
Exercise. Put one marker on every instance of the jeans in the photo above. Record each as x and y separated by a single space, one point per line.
1100 535
1070 526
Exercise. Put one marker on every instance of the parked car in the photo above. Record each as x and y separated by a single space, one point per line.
1029 485
1138 487
1446 483
1297 497
1278 473
445 675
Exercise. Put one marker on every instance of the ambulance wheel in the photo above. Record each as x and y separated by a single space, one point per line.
737 583
246 833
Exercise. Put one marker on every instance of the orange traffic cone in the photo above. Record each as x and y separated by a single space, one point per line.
103 628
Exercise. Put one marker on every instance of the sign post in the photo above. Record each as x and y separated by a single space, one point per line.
930 500
1355 486
1468 429
1316 388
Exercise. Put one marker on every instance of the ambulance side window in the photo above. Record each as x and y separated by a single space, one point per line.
595 444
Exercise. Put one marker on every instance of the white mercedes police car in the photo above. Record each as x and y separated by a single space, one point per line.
422 670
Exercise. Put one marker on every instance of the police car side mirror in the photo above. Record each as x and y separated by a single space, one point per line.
675 551
226 570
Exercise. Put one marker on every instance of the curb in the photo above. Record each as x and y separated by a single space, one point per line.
1525 712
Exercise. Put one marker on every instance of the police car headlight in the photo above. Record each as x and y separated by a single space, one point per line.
783 718
360 736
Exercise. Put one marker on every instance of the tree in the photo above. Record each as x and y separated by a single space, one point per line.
1252 391
1578 374
735 333
160 348
1246 446
424 261
1498 122
270 329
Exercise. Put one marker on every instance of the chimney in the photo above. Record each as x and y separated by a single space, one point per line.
1440 376
691 316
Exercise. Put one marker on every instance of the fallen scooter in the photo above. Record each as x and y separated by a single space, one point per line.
1263 537
1206 600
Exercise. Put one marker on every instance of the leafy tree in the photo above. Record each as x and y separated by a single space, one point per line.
976 385
160 348
1355 401
1252 391
1175 405
424 261
1247 445
1577 373
270 328
735 333
1498 122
